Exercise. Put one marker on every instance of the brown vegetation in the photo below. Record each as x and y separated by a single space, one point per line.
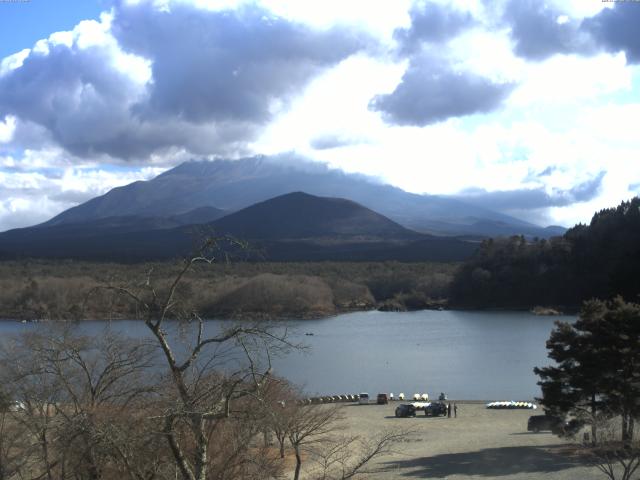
58 290
192 405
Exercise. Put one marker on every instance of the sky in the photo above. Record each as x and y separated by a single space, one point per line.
525 107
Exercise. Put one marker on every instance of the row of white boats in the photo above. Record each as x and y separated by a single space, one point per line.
418 399
512 405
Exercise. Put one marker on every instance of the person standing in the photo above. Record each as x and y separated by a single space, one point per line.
448 410
455 410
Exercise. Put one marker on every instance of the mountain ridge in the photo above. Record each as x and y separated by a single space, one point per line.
235 184
299 215
313 228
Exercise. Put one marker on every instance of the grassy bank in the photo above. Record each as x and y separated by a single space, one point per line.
60 290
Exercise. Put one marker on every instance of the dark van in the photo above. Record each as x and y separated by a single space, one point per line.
539 423
436 409
405 410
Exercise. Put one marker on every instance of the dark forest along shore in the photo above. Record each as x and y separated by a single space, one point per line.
468 354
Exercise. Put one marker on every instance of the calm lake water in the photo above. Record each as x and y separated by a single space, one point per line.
469 355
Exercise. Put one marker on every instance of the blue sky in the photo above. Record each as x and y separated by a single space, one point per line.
526 107
23 23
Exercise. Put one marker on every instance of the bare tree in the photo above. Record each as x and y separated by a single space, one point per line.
190 403
199 400
314 432
74 392
15 443
350 456
616 457
310 428
32 392
280 403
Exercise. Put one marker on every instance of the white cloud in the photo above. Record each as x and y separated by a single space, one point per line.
571 79
379 17
29 197
335 102
489 54
574 112
14 61
580 8
7 128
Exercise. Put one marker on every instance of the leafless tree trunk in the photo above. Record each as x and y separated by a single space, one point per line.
72 389
349 457
104 407
615 454
314 433
310 427
198 402
16 447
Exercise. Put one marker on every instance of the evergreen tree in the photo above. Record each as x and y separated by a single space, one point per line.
597 368
596 260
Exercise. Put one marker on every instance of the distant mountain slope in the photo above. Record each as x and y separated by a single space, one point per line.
292 227
236 184
132 223
198 215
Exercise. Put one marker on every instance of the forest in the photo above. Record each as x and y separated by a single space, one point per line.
599 260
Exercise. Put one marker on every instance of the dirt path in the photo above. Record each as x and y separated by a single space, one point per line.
480 443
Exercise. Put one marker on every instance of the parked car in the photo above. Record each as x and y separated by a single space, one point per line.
436 409
383 399
405 410
363 399
539 423
573 426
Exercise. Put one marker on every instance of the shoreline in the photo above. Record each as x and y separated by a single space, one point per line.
261 316
248 317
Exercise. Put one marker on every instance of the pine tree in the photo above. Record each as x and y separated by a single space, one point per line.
597 370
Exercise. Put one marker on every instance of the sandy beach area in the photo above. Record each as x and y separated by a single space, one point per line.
479 443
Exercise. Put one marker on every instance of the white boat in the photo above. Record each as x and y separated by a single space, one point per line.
509 405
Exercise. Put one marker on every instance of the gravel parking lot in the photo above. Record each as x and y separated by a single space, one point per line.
479 443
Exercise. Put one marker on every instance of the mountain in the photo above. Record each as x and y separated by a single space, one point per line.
291 227
299 215
198 215
133 223
236 184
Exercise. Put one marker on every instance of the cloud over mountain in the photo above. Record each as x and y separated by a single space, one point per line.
616 29
432 22
226 65
540 30
146 80
432 96
431 90
534 198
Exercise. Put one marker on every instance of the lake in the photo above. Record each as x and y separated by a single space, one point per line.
468 355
